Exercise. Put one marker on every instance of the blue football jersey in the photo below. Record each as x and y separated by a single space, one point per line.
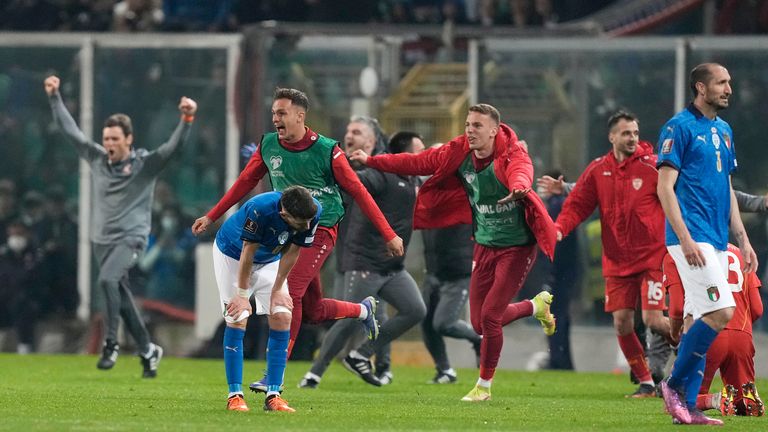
703 152
259 221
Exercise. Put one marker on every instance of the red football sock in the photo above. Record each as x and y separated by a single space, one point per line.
337 309
633 352
487 373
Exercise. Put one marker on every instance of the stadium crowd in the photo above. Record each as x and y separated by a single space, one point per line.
228 15
733 16
38 242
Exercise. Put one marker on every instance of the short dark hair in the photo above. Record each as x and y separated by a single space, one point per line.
488 110
120 120
621 115
402 142
297 97
701 74
298 202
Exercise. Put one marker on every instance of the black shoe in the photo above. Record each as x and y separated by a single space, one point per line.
443 377
384 375
657 376
308 382
361 368
644 391
108 355
632 378
151 363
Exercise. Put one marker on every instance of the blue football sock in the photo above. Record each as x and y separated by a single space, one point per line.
678 381
692 349
277 357
233 358
694 383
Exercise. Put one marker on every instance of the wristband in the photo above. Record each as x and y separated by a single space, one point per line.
188 118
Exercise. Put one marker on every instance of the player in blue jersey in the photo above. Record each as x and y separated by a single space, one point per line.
254 251
696 158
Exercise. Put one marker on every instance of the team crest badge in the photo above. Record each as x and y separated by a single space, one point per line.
283 237
276 161
713 293
637 183
469 177
127 169
727 139
666 147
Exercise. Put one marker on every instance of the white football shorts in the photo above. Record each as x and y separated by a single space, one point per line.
260 286
706 288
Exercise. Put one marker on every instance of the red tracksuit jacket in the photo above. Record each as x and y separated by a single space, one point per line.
631 217
442 201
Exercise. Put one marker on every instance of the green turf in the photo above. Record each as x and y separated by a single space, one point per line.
44 392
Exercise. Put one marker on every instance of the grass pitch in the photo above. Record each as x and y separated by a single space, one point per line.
61 392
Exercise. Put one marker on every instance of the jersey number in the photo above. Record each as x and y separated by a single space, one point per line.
735 276
655 293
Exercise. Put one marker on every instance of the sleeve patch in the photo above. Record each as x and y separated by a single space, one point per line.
251 226
666 147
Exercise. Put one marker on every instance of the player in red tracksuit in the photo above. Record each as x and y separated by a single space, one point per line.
733 350
298 155
490 170
622 184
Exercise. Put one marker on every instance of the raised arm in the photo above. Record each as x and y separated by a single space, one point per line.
424 163
157 160
86 148
348 181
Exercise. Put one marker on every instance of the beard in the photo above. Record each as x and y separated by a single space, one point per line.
718 104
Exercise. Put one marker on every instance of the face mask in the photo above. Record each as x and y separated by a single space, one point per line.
17 243
168 223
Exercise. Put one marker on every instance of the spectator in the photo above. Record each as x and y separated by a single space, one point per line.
169 260
137 15
8 209
563 280
196 15
21 293
33 214
742 17
59 247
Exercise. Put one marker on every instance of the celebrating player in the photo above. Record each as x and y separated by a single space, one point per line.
490 170
622 184
123 181
296 155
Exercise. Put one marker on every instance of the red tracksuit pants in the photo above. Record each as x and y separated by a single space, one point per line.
498 275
